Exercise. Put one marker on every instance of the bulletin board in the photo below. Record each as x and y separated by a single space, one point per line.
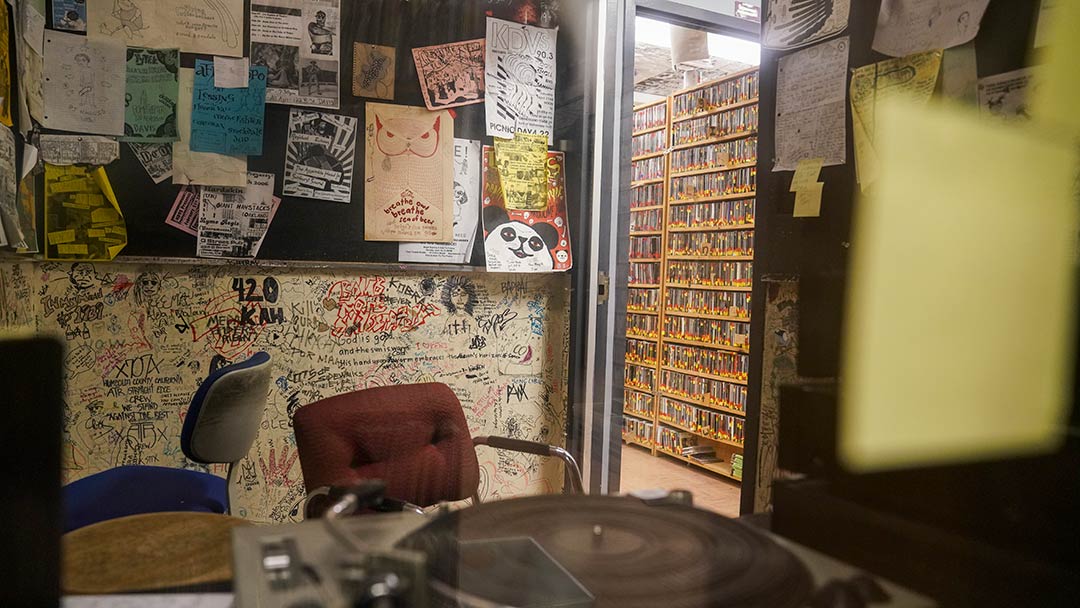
306 229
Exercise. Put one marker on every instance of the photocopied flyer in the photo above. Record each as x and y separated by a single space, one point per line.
519 75
320 155
466 212
299 44
233 221
228 121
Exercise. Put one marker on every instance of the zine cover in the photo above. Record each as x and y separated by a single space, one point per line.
526 241
320 155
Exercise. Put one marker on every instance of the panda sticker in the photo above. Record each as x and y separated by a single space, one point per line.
513 246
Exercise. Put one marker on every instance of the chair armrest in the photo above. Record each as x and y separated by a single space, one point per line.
540 449
322 498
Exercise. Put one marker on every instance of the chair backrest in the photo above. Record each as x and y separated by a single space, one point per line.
225 412
414 437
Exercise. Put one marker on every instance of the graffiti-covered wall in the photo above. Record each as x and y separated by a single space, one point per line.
140 338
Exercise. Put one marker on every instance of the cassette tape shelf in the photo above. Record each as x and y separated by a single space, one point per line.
693 189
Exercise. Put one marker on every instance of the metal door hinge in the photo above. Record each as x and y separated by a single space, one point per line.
603 285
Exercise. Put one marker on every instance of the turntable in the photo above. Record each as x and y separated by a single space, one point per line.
541 552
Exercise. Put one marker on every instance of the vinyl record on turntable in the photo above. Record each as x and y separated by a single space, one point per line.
547 550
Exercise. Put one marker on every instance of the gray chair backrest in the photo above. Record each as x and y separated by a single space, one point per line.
227 421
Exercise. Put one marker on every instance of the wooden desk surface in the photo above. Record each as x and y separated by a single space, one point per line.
147 552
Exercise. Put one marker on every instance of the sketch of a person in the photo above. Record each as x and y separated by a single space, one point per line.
72 21
82 275
460 198
129 19
459 296
148 289
322 37
86 77
311 77
963 23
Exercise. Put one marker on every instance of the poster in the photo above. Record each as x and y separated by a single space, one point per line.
83 88
1006 95
519 75
408 174
233 221
155 158
194 26
913 26
451 75
810 105
82 218
466 212
184 213
78 149
791 24
11 230
27 202
526 241
227 121
522 166
203 168
320 155
5 67
152 93
374 70
69 15
914 76
299 44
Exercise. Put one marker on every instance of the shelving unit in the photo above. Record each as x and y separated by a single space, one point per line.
702 311
647 229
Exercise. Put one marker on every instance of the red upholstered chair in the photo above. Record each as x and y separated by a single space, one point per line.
413 437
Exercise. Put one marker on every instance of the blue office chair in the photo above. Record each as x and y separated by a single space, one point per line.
220 427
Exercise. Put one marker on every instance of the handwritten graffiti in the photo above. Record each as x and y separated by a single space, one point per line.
362 309
516 390
497 322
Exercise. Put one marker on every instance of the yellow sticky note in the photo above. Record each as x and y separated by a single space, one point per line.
61 236
1055 100
958 340
808 201
72 249
806 173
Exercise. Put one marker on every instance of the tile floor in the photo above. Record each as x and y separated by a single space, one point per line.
641 471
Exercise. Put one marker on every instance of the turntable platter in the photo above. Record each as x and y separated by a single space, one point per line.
626 553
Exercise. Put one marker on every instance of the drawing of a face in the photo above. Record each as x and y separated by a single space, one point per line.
401 137
82 60
516 243
81 275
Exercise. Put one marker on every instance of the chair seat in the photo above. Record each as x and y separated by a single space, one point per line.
131 490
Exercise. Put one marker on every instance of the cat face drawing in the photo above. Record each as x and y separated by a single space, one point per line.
403 137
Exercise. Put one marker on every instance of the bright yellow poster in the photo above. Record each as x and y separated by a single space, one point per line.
82 218
522 165
5 68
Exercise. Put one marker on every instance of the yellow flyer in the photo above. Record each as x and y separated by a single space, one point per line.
82 218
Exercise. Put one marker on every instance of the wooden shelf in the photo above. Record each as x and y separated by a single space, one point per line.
733 349
642 286
638 389
697 403
643 339
648 208
712 228
702 85
646 233
710 287
714 140
647 364
627 412
713 199
694 315
708 467
648 156
646 182
716 110
678 426
647 260
710 258
642 312
634 441
703 375
711 170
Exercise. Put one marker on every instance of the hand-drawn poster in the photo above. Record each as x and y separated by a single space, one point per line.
155 158
233 221
152 92
70 15
374 70
299 43
83 87
1006 96
227 121
78 149
790 24
810 100
451 75
5 68
914 76
409 174
519 75
202 168
82 218
184 213
522 165
466 212
913 26
526 241
10 226
320 155
194 26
